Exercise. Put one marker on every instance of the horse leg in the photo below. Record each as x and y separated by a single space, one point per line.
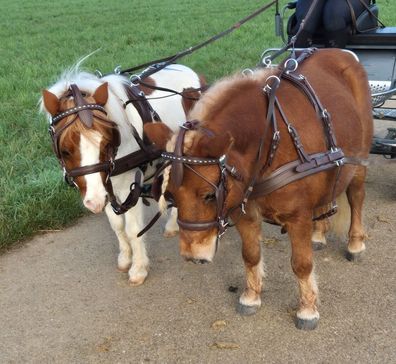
250 232
133 225
320 228
117 223
356 193
171 227
302 264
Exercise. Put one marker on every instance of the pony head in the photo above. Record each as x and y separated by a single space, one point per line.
84 139
199 191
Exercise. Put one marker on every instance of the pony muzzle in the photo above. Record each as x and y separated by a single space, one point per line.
196 248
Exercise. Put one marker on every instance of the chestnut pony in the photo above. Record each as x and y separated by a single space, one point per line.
240 153
88 145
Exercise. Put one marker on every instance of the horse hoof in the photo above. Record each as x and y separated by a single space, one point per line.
136 281
304 324
170 233
123 269
354 257
318 245
245 310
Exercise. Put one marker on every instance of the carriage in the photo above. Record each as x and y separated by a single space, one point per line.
376 50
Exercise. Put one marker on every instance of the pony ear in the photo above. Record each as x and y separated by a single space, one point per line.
101 94
51 102
215 146
158 133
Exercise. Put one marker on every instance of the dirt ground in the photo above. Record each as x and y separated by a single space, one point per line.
63 301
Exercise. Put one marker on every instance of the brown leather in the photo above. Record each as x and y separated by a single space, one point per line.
135 159
177 164
306 165
137 98
197 226
291 172
84 114
112 166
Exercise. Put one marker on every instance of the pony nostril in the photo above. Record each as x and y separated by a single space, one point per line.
89 204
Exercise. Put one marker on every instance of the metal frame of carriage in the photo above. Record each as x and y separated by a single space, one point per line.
376 50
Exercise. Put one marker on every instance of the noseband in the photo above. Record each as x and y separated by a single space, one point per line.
179 161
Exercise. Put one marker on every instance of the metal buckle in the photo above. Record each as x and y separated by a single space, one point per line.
340 162
267 88
117 70
222 228
243 208
69 180
293 66
51 130
135 80
325 114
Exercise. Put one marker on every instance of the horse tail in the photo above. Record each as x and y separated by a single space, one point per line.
341 221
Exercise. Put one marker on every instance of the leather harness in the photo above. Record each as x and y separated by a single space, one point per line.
305 165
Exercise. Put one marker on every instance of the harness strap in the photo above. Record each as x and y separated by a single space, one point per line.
174 92
132 198
302 83
139 101
288 173
197 226
92 168
135 159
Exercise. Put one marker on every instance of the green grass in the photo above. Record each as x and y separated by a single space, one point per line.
41 38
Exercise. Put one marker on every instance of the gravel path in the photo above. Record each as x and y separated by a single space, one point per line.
63 301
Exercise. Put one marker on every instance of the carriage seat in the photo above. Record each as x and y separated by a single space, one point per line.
378 38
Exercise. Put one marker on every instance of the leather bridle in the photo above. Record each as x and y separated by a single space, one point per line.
178 162
111 166
83 111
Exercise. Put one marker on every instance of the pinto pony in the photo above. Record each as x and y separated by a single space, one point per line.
264 147
96 126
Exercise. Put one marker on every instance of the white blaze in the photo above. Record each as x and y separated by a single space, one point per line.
95 196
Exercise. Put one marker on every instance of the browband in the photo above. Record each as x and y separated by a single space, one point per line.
74 110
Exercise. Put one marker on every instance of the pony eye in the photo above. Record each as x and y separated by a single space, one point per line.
65 153
210 197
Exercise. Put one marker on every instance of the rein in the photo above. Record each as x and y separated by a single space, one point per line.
159 64
305 165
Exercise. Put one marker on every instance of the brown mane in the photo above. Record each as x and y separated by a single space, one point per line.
217 99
